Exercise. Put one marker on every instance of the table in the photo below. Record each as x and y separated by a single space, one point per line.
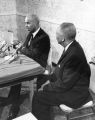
21 69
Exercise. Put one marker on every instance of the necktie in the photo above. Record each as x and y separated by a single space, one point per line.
30 41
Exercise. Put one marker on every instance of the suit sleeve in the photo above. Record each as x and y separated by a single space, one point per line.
67 76
39 51
44 44
28 52
72 72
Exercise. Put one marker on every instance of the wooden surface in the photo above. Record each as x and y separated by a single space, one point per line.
21 69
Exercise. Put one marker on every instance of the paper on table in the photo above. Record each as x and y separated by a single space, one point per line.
28 116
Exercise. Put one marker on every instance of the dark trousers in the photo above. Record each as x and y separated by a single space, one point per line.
41 104
44 100
41 80
14 95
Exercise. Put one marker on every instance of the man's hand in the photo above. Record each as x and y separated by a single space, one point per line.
21 49
48 69
47 82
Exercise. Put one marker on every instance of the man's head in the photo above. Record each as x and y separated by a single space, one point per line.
32 22
66 33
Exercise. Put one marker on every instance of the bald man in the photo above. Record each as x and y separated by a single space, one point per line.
36 46
69 82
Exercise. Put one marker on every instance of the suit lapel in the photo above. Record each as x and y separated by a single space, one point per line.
27 39
38 36
61 56
65 53
40 32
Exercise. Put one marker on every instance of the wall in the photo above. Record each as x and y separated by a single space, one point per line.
7 16
51 13
12 13
80 12
21 11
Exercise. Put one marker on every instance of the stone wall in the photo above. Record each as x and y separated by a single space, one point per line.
80 12
21 11
12 15
51 14
8 15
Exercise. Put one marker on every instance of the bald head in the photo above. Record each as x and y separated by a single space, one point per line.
68 30
32 22
66 33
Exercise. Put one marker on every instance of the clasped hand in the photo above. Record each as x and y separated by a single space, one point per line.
47 73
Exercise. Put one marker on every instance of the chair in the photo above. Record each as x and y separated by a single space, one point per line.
67 110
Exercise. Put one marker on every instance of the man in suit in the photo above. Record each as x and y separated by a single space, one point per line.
36 46
69 82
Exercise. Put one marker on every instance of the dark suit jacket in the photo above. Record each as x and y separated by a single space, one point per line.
71 77
39 48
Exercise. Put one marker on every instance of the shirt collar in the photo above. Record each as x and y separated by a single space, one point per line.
68 46
34 34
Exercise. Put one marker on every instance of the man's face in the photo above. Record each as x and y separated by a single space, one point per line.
30 24
59 36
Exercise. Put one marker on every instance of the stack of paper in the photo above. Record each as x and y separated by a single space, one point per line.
28 116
